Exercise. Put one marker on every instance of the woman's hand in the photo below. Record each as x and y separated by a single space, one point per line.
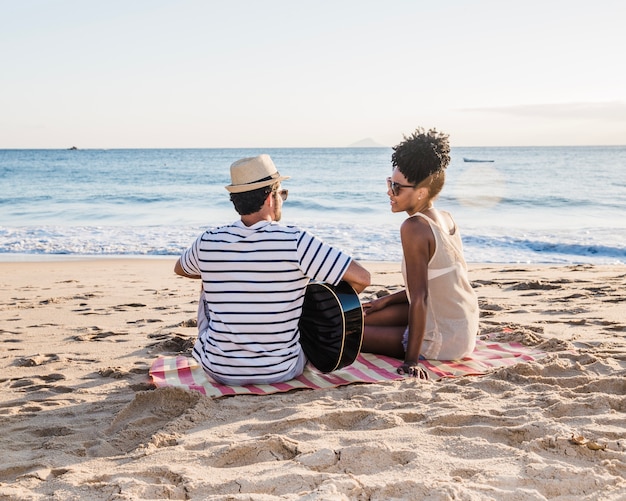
412 369
374 305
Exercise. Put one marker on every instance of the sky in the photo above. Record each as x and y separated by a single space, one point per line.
301 73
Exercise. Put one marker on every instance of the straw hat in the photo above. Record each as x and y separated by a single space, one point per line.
251 173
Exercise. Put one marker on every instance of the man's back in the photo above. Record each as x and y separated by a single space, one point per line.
254 275
254 279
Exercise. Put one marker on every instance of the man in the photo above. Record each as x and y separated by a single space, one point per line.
254 275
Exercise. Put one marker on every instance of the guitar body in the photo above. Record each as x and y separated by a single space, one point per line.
331 325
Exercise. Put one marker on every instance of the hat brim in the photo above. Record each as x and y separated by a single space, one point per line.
241 188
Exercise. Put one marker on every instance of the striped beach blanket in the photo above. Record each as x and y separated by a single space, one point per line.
185 372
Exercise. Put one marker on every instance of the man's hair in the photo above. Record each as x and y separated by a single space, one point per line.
249 202
422 158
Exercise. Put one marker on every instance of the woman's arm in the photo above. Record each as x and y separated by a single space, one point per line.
418 246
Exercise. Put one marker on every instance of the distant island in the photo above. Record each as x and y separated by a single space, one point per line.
368 142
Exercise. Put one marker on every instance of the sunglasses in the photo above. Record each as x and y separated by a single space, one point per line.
283 194
396 187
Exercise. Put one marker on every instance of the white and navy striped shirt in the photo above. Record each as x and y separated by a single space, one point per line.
254 279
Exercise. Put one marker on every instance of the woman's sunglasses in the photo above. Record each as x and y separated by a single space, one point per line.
283 194
396 187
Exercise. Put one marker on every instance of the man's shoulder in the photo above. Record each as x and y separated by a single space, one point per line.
282 228
267 230
226 228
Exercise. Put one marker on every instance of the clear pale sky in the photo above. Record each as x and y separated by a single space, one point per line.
290 73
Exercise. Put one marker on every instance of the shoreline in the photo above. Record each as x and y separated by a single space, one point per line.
10 257
82 421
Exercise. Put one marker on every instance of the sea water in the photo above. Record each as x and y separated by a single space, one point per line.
526 205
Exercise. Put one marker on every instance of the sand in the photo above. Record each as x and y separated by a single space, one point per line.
81 420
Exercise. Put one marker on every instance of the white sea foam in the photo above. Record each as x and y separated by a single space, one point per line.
526 206
371 243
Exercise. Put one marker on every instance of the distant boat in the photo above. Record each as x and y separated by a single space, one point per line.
73 148
476 160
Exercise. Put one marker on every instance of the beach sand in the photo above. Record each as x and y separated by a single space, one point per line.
80 419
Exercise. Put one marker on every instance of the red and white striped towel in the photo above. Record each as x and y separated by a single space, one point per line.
185 372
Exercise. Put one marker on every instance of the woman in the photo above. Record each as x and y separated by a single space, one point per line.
436 316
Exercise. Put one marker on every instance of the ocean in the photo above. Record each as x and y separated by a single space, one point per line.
562 205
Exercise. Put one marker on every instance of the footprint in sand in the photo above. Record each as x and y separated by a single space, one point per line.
173 344
534 285
344 420
142 418
370 460
268 448
118 372
144 321
29 385
124 307
53 431
35 360
156 483
101 336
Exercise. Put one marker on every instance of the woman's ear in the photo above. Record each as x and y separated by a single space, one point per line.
422 193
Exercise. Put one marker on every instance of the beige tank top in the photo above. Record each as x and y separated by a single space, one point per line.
452 308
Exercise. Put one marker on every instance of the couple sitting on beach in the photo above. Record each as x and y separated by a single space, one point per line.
255 273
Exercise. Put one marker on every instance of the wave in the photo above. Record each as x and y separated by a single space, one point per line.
132 200
546 250
368 242
308 206
24 200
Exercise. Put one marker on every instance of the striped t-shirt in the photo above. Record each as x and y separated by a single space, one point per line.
254 279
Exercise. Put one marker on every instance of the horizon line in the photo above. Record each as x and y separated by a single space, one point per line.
75 148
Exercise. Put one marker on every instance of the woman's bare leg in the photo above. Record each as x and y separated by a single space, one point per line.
394 315
384 330
383 340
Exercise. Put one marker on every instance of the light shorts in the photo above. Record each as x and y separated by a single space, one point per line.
405 338
426 345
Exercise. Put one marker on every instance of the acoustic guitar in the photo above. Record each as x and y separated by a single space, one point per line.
331 325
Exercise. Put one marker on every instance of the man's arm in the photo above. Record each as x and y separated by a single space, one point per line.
178 269
357 276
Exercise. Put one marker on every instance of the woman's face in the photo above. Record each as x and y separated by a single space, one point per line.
402 194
